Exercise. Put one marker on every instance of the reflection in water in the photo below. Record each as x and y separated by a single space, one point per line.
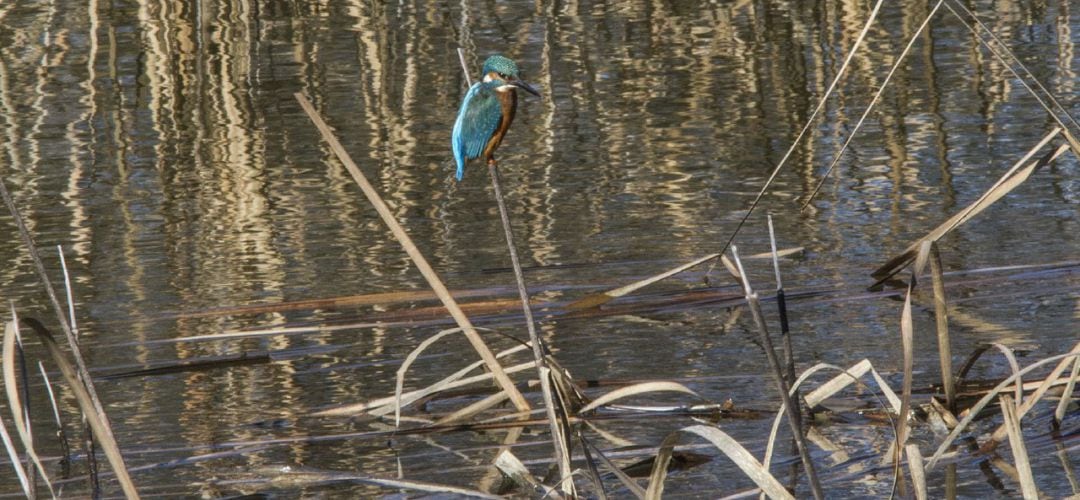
160 144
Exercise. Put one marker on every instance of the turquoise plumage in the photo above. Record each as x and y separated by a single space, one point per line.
487 112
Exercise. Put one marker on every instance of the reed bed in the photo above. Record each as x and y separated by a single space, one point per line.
478 392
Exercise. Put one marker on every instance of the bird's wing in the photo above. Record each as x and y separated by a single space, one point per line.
477 121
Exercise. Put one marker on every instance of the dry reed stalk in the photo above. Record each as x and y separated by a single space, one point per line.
941 317
1066 395
873 102
915 467
1019 449
1010 180
512 468
418 258
636 389
793 414
108 444
827 390
558 435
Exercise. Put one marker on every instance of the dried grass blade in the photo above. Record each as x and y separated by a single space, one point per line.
826 390
65 447
400 383
732 449
508 464
15 404
907 341
1051 379
633 390
418 259
1019 449
473 409
599 299
385 405
409 397
1066 396
1015 366
974 410
104 437
16 463
918 474
558 435
1012 178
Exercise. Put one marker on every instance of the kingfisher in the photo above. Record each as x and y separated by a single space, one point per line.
487 111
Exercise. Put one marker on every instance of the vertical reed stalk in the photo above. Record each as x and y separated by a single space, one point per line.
793 414
941 314
558 438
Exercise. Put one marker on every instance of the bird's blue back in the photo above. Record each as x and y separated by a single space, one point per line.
477 121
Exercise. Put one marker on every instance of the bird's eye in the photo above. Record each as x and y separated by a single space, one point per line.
502 75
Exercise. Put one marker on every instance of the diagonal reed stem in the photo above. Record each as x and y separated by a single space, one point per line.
557 437
418 259
793 414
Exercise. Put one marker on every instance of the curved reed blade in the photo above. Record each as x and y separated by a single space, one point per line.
15 404
729 447
86 404
636 389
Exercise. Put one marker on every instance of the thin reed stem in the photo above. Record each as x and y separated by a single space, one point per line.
793 414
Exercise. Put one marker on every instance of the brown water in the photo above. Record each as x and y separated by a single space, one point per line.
160 145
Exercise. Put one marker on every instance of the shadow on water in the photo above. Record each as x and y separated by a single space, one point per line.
160 144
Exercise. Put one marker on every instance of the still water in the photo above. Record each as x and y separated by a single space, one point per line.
160 145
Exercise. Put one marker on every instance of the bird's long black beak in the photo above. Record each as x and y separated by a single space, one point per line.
521 84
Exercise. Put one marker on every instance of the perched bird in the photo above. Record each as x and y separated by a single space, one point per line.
487 111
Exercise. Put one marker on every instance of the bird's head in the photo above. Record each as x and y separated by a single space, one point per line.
502 69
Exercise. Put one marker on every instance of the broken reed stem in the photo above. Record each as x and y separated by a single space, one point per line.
418 259
785 337
941 315
558 438
793 414
781 305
